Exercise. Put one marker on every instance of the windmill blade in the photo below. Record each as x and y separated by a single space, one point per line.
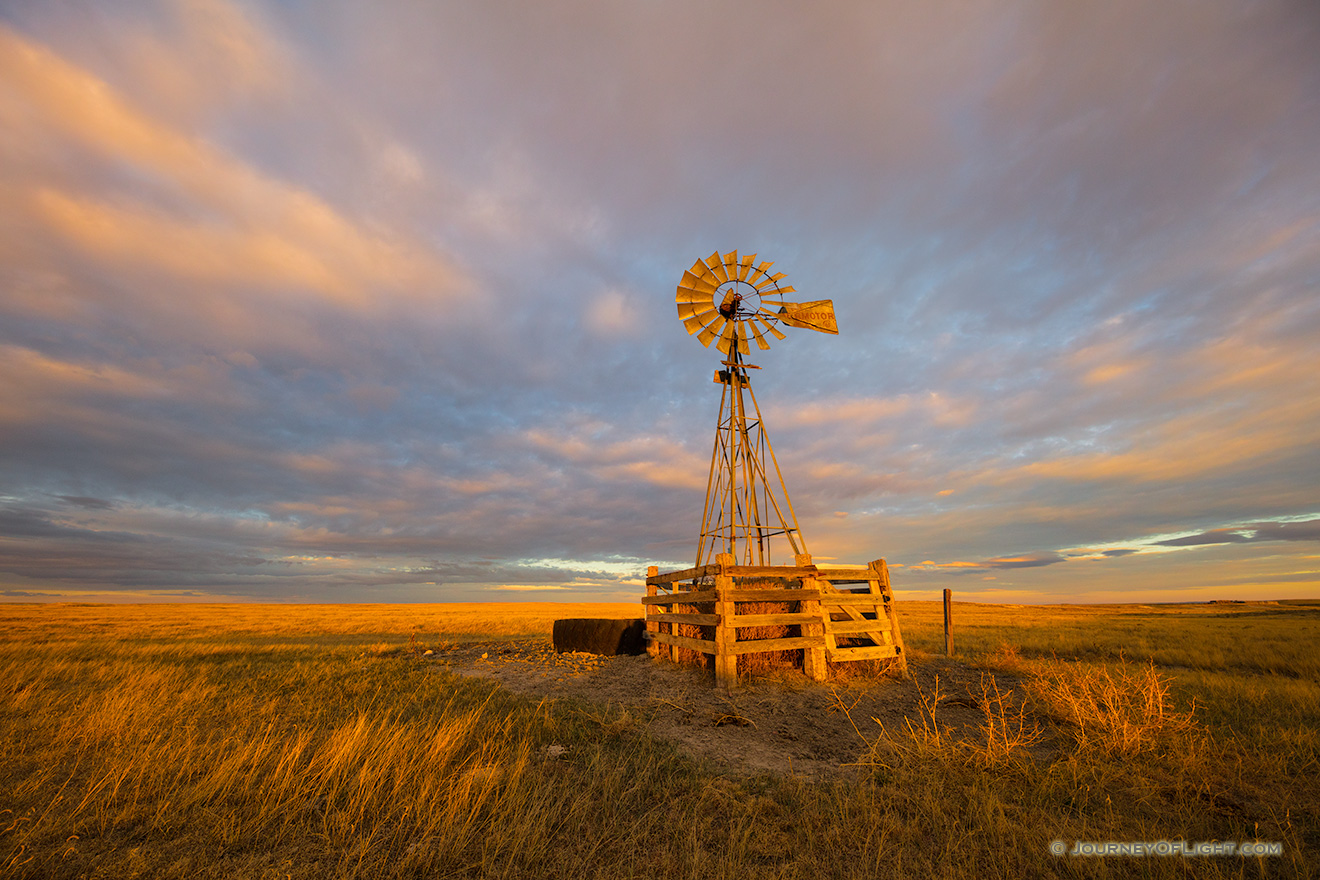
698 282
727 337
716 264
772 328
711 333
701 271
818 315
699 322
688 295
742 342
731 265
688 310
745 266
756 334
713 320
770 280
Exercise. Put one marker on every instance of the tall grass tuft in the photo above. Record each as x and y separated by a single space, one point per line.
1005 735
1117 709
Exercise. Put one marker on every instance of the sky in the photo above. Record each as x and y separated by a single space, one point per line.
374 302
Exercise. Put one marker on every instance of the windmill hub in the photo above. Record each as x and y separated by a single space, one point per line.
729 308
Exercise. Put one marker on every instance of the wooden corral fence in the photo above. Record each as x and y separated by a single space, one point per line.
842 614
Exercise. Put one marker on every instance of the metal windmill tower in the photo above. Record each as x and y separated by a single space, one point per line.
730 300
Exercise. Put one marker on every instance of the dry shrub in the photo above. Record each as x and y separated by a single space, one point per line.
1006 657
1006 732
1120 711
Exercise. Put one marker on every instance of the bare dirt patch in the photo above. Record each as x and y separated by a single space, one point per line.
779 722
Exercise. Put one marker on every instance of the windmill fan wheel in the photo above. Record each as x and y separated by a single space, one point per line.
730 299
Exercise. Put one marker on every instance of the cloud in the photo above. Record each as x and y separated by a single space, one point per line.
381 304
1028 560
610 314
1215 536
1304 530
184 212
89 503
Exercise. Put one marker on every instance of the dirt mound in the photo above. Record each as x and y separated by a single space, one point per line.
780 722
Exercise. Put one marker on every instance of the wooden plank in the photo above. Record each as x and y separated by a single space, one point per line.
877 653
780 571
798 617
813 659
760 646
852 599
684 617
702 645
696 597
820 629
881 585
686 574
773 595
845 627
844 574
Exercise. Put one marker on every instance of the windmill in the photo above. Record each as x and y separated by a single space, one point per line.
732 300
737 601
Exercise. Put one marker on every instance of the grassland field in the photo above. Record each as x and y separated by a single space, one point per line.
321 741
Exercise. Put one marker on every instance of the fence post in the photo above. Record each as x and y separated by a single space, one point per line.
813 659
652 645
948 623
726 662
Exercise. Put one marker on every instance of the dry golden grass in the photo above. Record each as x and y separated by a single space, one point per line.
280 741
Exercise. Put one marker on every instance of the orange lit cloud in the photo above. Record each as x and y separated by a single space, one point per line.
237 226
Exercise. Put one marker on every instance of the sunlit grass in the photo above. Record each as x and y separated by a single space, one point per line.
1282 639
251 741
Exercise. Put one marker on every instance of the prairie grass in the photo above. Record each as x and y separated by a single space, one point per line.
276 741
1276 639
